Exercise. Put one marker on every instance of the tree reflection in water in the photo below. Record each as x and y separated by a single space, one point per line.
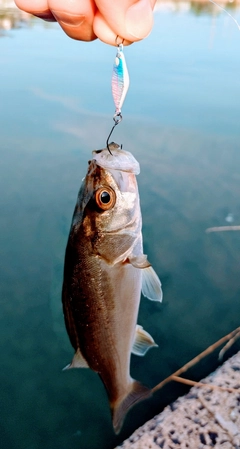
11 17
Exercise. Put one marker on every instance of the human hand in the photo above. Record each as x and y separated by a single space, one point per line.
87 20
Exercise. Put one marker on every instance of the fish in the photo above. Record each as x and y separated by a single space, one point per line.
104 272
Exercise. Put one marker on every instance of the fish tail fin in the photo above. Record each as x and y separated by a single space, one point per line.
136 393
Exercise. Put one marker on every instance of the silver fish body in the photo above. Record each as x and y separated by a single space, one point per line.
104 272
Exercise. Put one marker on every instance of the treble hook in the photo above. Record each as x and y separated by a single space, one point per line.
117 119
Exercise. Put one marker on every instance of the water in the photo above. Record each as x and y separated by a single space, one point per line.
181 121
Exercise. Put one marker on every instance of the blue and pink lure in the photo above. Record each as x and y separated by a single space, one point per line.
120 81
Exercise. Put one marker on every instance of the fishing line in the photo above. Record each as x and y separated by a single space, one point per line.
226 13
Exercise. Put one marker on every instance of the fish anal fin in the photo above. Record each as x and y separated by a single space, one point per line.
137 392
151 285
139 261
143 341
78 361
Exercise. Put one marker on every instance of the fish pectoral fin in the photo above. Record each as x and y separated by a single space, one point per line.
139 261
151 285
136 393
78 361
143 341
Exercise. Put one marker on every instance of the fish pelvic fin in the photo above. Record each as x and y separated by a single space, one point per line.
143 341
137 392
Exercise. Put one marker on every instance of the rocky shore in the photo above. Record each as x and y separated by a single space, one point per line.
204 418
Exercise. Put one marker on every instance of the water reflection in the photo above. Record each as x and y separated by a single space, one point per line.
11 17
197 7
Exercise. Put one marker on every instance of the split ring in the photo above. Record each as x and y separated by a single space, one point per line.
118 43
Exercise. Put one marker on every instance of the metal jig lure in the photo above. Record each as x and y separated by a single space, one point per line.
120 85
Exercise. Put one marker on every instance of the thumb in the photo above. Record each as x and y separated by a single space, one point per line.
131 20
139 20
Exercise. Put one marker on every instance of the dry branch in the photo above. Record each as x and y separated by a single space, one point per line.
196 359
201 384
223 228
228 345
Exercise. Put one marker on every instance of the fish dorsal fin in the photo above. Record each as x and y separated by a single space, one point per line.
151 285
78 361
143 341
136 393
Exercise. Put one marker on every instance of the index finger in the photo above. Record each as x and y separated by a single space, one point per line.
38 8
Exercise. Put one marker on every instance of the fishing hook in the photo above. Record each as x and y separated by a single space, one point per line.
117 119
120 83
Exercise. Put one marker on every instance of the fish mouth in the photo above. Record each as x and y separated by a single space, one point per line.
113 146
118 160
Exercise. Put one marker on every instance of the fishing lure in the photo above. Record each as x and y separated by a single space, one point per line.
120 85
120 81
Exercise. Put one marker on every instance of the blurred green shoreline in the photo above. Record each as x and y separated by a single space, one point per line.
12 18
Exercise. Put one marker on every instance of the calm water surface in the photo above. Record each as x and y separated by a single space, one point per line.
181 121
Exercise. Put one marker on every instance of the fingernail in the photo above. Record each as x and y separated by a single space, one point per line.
73 20
48 17
139 19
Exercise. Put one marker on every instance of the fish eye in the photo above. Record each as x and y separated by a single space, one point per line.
105 198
